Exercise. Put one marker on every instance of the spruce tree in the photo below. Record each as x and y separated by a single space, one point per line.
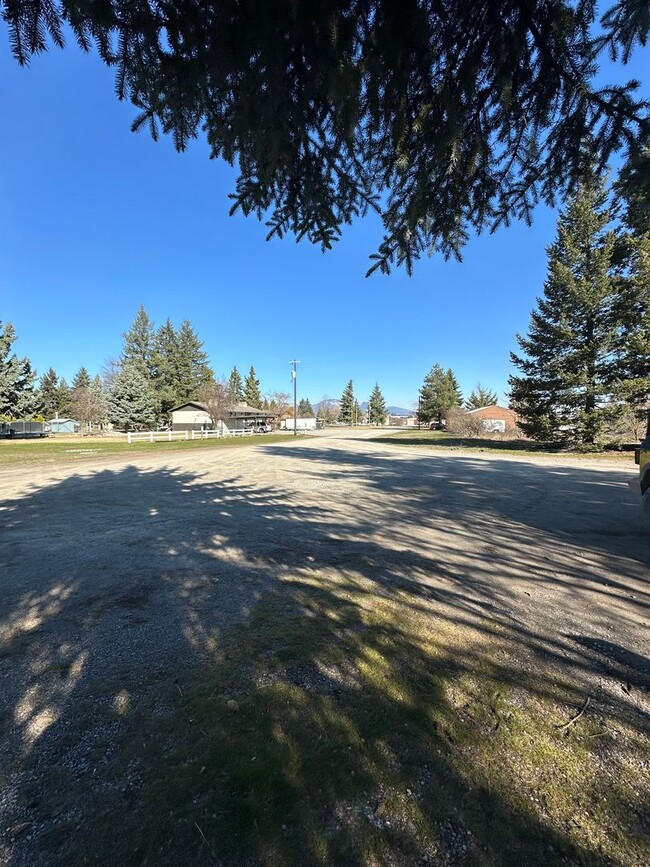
64 399
376 407
194 370
165 368
17 396
48 394
439 394
563 391
252 393
138 347
346 409
441 117
235 386
631 376
481 397
305 409
81 379
131 403
454 388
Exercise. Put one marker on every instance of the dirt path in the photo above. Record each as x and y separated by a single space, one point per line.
114 575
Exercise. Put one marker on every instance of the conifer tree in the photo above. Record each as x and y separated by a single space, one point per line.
439 394
138 347
481 397
376 407
346 409
64 397
441 117
48 394
357 415
235 386
17 396
305 409
194 370
81 379
563 391
165 368
131 403
454 388
631 379
252 393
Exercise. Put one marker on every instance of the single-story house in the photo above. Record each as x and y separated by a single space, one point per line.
496 419
64 426
194 415
403 420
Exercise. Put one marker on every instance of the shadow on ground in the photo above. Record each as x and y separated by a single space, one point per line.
215 673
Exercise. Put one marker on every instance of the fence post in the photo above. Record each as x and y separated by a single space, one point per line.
128 436
186 435
151 437
169 435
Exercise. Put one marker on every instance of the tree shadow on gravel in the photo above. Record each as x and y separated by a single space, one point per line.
220 674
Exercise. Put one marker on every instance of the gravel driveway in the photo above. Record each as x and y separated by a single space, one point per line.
114 574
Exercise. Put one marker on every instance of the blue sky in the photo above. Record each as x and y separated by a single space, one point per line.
96 221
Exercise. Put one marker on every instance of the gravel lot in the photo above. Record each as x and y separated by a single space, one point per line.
114 574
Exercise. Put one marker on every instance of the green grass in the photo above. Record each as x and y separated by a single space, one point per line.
442 439
51 450
338 728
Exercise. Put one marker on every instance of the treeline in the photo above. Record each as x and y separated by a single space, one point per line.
158 368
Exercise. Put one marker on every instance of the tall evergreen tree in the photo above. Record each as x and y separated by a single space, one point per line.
440 116
48 394
346 409
305 409
252 393
194 369
454 388
235 386
165 368
481 397
131 403
631 379
563 390
376 407
439 394
17 396
81 379
138 347
64 399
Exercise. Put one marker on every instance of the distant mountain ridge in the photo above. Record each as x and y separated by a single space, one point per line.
335 403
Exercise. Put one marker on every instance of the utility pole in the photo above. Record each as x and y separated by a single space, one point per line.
294 377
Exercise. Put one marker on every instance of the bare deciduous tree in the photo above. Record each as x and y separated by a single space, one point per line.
216 397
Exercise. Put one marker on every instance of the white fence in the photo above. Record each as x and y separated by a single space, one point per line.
170 435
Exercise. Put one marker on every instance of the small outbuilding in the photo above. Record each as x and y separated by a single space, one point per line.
64 426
